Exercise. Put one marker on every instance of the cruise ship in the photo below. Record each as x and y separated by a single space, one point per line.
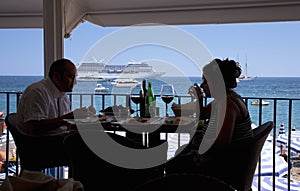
98 71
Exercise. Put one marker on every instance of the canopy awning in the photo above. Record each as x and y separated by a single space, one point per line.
29 13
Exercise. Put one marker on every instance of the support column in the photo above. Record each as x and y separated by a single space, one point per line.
53 32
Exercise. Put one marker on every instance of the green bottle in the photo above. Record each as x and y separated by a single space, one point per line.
143 101
150 102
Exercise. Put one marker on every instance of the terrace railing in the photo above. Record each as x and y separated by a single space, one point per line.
279 110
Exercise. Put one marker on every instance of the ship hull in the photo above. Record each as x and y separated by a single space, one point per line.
101 72
108 76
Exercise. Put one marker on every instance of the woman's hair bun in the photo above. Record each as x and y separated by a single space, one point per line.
230 70
237 70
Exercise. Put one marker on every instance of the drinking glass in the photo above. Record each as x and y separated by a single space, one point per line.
136 96
167 95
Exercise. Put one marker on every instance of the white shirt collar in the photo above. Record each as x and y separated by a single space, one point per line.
54 90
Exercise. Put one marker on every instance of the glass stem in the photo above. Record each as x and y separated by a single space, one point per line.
167 115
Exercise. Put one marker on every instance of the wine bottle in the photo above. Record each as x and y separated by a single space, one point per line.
150 101
143 100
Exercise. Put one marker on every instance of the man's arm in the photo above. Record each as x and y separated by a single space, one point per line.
45 125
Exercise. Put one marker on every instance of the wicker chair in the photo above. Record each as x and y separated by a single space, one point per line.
238 163
37 152
234 164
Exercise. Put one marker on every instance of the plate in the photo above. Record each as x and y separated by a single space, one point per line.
85 120
156 121
71 121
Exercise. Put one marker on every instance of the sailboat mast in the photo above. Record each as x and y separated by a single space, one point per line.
246 65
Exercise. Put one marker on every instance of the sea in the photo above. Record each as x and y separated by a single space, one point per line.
260 87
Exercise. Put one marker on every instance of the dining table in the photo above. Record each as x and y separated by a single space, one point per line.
148 131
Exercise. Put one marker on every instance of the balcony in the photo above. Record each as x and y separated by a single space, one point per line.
280 110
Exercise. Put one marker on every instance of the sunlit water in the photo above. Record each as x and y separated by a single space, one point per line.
259 87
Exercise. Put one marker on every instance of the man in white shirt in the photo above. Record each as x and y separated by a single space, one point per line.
44 104
41 111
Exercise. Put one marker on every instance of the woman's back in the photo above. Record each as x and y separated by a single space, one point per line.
242 129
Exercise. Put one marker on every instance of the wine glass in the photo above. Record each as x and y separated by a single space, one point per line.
136 95
167 95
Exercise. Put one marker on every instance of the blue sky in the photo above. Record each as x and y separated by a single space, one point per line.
270 49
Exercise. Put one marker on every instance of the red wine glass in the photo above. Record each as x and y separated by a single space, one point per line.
167 95
136 96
